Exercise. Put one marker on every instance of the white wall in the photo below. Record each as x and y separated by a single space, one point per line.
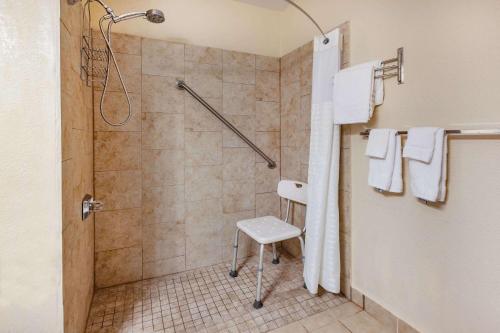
204 22
436 268
30 164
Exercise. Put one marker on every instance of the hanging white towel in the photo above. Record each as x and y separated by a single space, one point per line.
428 179
420 144
356 93
322 251
385 171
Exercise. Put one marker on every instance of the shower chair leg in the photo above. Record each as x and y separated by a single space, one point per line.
234 273
276 259
258 300
301 239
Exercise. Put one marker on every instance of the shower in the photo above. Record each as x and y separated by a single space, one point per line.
105 24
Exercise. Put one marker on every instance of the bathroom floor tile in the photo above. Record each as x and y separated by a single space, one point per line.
209 300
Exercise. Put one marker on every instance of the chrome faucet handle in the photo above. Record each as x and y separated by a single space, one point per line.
89 205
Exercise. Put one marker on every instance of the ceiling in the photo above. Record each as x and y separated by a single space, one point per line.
278 5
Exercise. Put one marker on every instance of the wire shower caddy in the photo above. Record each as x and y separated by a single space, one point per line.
93 59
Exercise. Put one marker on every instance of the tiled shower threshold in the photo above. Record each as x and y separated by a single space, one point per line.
209 300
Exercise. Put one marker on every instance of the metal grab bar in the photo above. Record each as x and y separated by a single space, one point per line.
182 85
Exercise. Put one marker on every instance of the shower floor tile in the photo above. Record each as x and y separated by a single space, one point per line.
209 300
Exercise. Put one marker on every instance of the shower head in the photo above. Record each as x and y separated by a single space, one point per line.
155 16
152 15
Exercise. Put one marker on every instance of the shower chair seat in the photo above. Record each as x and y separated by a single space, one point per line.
270 230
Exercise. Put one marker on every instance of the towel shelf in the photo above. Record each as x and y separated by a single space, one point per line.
388 67
469 132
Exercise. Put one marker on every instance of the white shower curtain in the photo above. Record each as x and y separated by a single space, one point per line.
322 254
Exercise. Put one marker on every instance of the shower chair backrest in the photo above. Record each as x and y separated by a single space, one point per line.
293 190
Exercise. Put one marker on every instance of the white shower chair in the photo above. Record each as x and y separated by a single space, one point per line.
270 230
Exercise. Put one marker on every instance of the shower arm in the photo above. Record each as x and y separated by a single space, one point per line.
326 40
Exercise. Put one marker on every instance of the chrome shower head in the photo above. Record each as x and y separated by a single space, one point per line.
155 16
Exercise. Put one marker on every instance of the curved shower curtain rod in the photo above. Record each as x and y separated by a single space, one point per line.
326 40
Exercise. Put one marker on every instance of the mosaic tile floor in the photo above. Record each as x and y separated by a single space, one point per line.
209 300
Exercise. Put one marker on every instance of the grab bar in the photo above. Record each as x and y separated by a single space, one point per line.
182 85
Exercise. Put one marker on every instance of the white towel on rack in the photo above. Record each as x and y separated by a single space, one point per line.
420 144
385 171
356 92
428 179
378 142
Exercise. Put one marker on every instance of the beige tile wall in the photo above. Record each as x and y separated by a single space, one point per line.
175 181
296 79
77 175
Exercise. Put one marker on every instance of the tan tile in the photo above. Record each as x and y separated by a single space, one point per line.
267 86
203 55
266 179
162 167
68 212
290 98
345 286
118 229
164 267
203 148
205 79
264 63
118 266
344 311
71 17
117 151
238 164
238 67
357 298
118 189
115 109
203 182
130 69
306 68
387 319
346 136
291 67
121 43
345 212
163 204
290 165
317 321
305 109
291 328
238 196
345 255
163 241
198 118
362 322
267 204
162 131
160 94
239 99
162 58
66 126
244 124
70 49
403 327
345 170
204 221
269 143
267 116
335 327
228 233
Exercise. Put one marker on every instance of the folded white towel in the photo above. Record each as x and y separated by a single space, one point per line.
420 144
354 94
428 180
378 142
385 173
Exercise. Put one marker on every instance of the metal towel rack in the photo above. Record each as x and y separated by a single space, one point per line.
183 86
469 132
388 67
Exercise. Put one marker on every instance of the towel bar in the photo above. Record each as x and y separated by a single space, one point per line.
469 132
399 67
